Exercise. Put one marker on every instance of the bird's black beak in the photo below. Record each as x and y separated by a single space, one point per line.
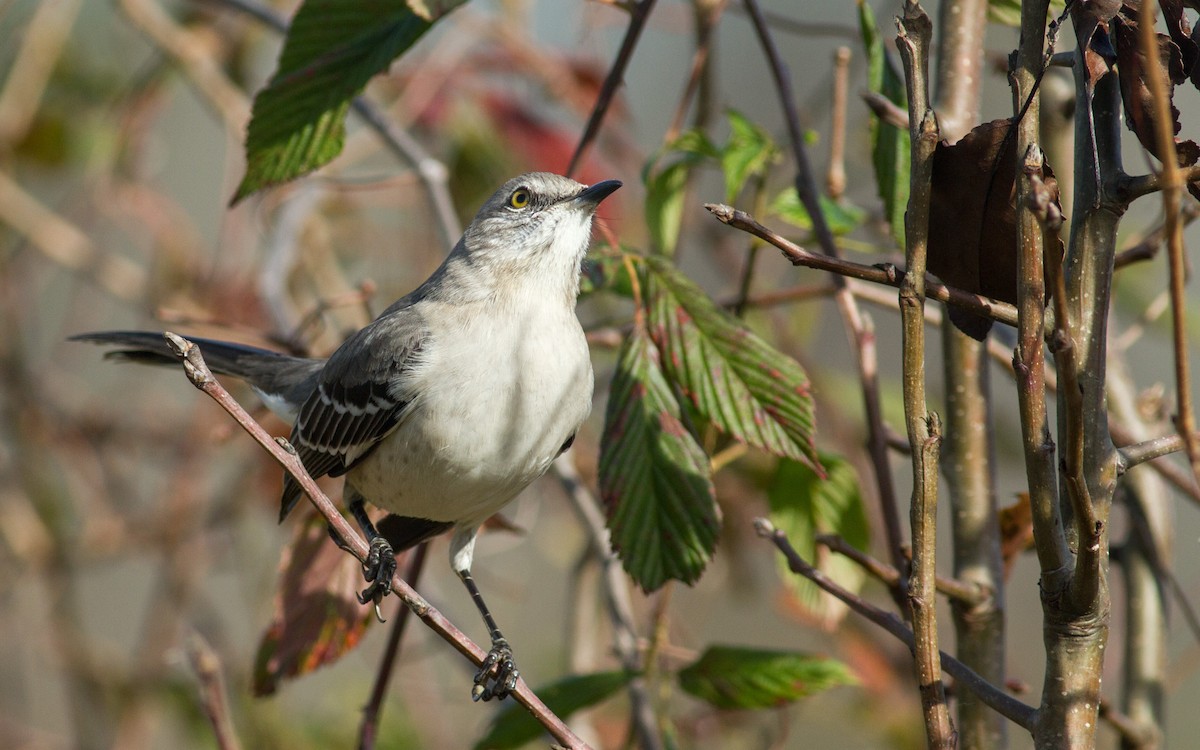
598 192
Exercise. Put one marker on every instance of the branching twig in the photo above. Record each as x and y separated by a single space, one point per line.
282 451
858 326
637 22
885 274
1013 709
213 698
368 729
1172 193
961 591
915 30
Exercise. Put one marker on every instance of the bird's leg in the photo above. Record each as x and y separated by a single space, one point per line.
380 565
497 676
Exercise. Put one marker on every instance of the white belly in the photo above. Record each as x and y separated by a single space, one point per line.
495 402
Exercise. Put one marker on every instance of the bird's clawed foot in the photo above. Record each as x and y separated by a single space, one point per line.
378 569
497 676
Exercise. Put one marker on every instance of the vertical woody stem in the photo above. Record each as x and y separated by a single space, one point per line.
924 429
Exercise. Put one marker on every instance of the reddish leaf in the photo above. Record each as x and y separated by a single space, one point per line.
973 220
317 614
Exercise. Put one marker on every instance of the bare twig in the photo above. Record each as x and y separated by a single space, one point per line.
835 175
955 590
616 591
885 274
201 377
368 729
1021 714
213 698
707 16
1172 192
885 109
915 30
857 325
637 22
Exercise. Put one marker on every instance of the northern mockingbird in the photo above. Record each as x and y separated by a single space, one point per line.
453 400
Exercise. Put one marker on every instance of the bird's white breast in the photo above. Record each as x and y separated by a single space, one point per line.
502 384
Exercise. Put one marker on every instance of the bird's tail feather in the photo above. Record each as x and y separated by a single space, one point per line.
274 374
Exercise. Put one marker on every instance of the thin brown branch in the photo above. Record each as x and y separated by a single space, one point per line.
194 57
1134 734
616 74
213 697
1086 579
368 728
885 109
885 274
1021 714
915 31
857 325
706 20
1029 362
960 591
1133 187
1173 181
835 175
616 597
282 451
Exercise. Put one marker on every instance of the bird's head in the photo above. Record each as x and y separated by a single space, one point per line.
536 224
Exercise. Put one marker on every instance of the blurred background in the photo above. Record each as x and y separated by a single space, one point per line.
137 523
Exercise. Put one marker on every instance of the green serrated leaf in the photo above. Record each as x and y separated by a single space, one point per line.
332 49
841 217
748 153
654 476
515 726
804 505
734 677
664 204
890 151
739 382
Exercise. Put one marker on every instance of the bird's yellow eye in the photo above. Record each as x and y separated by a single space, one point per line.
519 198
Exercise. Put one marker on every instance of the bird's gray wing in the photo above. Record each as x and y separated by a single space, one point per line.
360 397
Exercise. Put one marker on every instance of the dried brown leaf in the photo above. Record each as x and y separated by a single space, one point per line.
317 615
973 220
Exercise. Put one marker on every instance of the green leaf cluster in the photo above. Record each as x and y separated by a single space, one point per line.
805 504
748 154
734 677
687 356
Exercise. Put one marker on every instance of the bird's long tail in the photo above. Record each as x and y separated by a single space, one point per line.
274 375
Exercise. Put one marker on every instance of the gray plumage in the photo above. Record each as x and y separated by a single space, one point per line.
457 396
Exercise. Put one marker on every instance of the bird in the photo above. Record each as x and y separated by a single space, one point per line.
457 397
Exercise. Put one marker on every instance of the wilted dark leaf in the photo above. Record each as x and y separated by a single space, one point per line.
1180 32
973 220
737 381
317 614
654 476
515 726
734 677
804 505
1140 110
